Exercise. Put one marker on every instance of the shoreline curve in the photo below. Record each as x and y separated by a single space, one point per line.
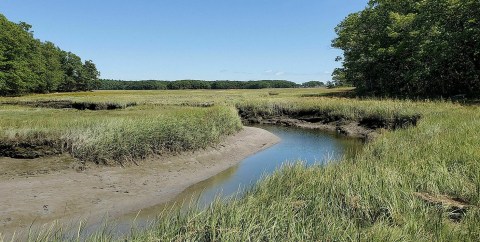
110 192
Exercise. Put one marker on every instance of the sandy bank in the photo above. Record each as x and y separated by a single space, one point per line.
66 193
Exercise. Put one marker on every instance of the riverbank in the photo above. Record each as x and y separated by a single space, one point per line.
66 194
328 116
418 180
350 129
412 183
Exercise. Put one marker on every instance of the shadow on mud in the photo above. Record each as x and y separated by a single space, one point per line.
63 104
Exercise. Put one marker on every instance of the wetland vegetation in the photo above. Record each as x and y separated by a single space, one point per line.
417 182
417 177
112 136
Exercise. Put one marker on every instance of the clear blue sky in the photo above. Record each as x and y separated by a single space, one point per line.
193 39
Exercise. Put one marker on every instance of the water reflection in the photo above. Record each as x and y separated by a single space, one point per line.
309 146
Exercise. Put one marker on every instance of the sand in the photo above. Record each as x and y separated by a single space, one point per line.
47 189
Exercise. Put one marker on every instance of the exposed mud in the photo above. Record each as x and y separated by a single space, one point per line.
26 150
12 168
63 104
391 124
34 192
365 128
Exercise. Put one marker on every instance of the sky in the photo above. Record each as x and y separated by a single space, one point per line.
193 39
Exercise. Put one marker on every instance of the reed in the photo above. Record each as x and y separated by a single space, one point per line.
115 136
406 185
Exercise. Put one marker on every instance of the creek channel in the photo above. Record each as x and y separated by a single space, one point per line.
309 146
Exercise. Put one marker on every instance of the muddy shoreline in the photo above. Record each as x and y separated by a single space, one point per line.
350 129
54 189
367 128
70 195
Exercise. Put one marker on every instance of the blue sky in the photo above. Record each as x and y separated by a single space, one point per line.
193 39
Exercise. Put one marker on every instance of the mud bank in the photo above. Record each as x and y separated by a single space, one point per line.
67 195
67 104
365 128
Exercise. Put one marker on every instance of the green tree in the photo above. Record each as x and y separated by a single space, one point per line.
72 68
313 84
54 74
15 44
90 76
412 48
28 65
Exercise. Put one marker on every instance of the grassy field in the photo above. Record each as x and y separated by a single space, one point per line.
113 136
414 184
146 123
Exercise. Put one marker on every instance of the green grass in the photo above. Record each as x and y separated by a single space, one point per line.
370 197
350 109
118 136
177 97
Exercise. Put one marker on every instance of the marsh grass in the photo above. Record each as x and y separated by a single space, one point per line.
117 136
370 197
175 97
352 109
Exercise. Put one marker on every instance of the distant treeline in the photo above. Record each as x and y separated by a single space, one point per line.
412 48
28 65
196 84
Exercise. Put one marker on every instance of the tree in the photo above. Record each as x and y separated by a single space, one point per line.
72 68
412 48
28 65
54 74
90 76
14 43
311 84
192 84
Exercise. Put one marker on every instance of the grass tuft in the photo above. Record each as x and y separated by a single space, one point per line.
373 196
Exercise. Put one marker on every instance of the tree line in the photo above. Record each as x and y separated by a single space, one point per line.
28 65
411 48
106 84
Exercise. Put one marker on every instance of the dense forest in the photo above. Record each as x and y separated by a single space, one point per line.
193 84
28 65
412 48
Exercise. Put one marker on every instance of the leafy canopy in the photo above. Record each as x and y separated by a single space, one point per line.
427 48
28 65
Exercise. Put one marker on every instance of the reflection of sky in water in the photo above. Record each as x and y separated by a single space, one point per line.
309 146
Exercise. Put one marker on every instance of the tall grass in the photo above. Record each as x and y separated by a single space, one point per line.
175 97
350 109
371 197
118 135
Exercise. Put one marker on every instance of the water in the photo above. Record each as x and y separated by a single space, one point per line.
308 146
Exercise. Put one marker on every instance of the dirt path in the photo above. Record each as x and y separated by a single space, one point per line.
65 193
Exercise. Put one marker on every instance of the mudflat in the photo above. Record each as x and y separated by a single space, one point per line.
46 189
